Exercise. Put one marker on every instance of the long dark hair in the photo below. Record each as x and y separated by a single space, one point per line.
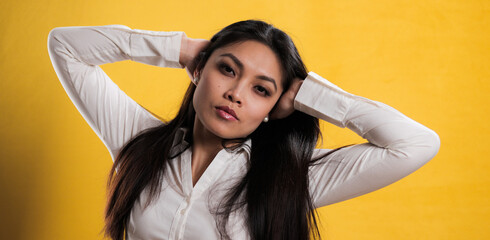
274 192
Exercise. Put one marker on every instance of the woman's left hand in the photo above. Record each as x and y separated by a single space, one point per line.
285 104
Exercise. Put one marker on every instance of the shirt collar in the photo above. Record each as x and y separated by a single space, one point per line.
180 143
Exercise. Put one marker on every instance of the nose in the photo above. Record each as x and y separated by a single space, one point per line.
234 94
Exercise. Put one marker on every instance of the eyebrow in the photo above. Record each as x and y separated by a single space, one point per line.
240 65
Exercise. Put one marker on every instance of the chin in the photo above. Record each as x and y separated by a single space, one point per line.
226 133
214 127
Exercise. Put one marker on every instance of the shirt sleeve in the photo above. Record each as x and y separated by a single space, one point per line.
397 144
76 53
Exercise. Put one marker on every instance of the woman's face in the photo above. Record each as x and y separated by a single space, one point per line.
237 89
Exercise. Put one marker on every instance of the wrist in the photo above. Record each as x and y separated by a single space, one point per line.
183 51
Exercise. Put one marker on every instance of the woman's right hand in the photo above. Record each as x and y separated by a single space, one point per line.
189 50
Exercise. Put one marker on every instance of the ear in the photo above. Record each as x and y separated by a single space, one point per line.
195 77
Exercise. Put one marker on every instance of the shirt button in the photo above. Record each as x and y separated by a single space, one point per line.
182 212
187 199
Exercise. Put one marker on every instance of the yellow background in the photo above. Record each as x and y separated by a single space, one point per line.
427 58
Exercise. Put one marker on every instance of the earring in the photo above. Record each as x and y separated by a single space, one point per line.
196 79
266 119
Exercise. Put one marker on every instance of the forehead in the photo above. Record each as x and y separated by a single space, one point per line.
257 58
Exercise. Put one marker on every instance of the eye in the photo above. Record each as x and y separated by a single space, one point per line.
262 90
226 69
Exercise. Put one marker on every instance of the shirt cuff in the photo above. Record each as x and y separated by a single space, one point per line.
156 48
322 99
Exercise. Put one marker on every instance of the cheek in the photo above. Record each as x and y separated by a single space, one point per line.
205 92
210 81
260 110
199 99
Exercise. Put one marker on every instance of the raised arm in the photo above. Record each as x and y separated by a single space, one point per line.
397 144
75 53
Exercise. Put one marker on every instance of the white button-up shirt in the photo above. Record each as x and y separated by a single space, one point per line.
396 146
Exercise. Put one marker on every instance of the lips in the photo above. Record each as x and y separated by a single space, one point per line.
227 113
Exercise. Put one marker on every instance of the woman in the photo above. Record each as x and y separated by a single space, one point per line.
238 160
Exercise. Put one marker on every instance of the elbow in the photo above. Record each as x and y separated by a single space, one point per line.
415 153
52 40
418 150
433 143
59 41
53 33
59 48
425 147
54 37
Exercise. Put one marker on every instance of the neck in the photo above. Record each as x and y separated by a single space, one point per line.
205 146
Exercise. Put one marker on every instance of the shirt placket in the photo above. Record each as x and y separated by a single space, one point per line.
194 192
182 212
178 224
